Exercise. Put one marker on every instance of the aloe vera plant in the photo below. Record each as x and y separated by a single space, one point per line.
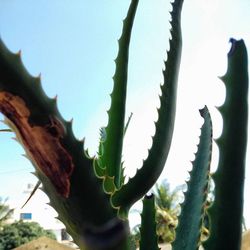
90 194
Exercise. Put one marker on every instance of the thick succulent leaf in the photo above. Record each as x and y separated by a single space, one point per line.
62 166
148 225
154 164
115 128
188 231
226 212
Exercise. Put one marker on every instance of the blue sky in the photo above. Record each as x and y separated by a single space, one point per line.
73 45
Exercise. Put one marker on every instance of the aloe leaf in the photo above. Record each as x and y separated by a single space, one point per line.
115 128
226 212
154 164
100 170
132 243
5 130
188 231
123 176
32 193
64 169
127 124
148 225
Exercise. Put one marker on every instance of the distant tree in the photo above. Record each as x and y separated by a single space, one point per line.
167 209
19 233
5 212
167 205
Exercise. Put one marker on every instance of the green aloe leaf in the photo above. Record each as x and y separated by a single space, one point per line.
154 164
100 170
61 164
112 146
226 212
188 231
149 239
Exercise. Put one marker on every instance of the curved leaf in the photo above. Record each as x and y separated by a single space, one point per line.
112 146
62 166
188 231
226 212
154 164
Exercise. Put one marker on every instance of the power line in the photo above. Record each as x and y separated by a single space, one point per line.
14 171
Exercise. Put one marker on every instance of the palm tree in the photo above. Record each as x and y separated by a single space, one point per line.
167 209
5 212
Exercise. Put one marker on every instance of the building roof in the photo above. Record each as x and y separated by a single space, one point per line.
246 240
43 243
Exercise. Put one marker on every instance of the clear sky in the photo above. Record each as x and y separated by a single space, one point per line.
73 45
